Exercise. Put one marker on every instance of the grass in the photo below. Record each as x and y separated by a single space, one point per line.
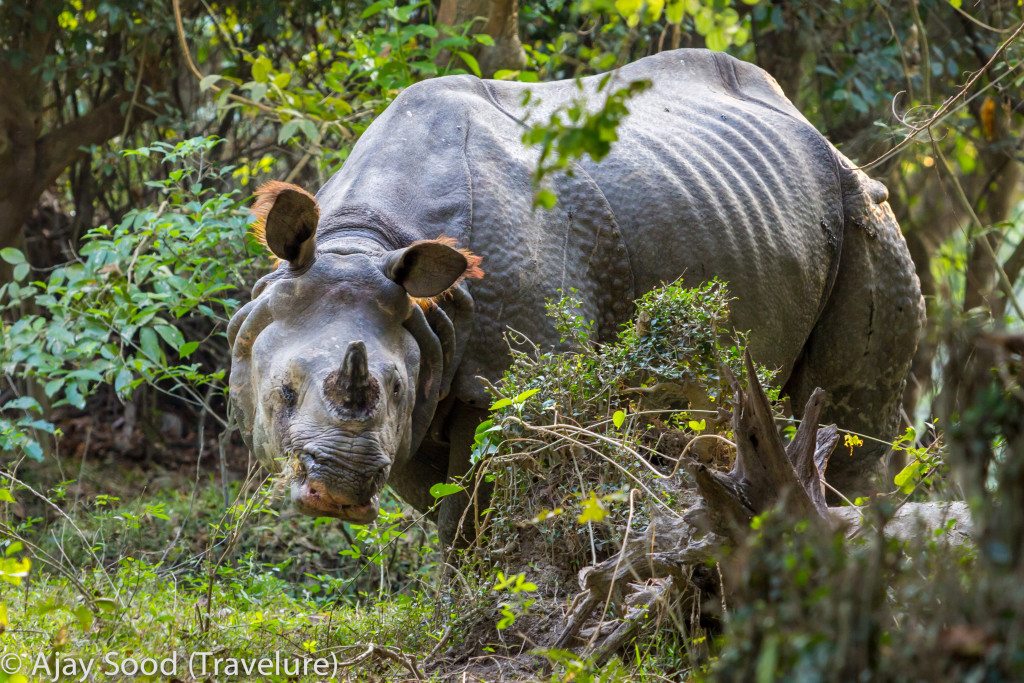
150 580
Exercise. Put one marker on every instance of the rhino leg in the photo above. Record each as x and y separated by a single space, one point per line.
861 348
456 518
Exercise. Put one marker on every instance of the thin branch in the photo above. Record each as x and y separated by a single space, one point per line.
944 109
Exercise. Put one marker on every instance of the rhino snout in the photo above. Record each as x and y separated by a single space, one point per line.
340 485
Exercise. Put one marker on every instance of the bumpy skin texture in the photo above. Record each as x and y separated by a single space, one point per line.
715 174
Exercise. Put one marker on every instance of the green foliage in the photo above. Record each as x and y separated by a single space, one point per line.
809 604
213 579
717 22
138 303
587 125
925 464
515 604
321 96
680 338
573 446
577 129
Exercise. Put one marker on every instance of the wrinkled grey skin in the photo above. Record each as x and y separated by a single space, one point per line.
715 174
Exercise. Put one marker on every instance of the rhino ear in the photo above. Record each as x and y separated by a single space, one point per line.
286 218
431 267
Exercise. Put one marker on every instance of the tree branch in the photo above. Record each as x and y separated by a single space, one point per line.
59 148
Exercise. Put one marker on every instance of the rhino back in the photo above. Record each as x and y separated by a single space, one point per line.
716 174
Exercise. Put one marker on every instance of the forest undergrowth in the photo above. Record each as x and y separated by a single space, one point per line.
587 449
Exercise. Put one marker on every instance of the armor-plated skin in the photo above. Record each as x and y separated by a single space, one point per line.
715 174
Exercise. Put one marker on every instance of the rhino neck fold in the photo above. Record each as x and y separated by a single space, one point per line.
350 229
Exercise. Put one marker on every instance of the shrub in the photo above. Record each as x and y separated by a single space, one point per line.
145 302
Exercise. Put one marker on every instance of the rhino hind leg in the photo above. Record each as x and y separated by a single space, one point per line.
861 348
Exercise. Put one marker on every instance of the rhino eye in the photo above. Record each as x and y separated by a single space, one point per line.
289 396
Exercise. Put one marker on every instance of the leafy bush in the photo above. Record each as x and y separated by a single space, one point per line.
803 605
584 448
146 302
602 420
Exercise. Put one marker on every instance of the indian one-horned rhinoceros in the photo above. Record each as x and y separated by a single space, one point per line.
350 362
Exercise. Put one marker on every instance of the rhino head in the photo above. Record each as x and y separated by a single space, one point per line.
327 364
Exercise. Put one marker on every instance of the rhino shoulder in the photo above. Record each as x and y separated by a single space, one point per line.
447 94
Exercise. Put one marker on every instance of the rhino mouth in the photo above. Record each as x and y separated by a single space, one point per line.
327 489
327 506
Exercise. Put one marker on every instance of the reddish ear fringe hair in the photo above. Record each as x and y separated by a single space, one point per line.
473 271
267 194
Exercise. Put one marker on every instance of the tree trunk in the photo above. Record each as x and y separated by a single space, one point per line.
497 18
781 51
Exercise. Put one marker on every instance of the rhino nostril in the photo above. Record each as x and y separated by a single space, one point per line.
317 489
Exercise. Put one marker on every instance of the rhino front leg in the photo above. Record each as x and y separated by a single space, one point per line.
457 514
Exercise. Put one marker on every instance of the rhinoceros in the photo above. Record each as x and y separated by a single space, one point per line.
359 359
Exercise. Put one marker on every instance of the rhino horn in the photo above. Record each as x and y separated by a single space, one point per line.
352 388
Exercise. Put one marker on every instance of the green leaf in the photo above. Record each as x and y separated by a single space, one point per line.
288 131
73 395
6 497
123 381
21 271
374 9
52 387
484 39
205 84
522 398
501 403
470 61
187 349
84 616
12 256
630 11
716 40
697 426
482 429
442 490
23 403
172 335
545 199
261 69
34 451
106 605
308 129
619 418
674 11
908 477
150 344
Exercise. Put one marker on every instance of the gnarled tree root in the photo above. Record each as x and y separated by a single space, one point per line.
653 568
